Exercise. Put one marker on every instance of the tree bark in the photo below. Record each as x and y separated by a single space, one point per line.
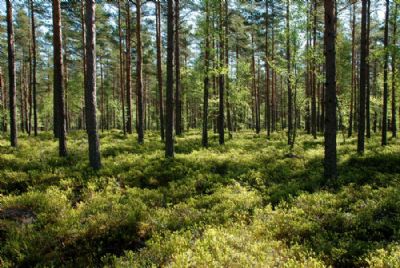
128 70
256 102
353 64
394 73
221 79
368 97
330 169
121 75
363 77
385 78
169 139
159 68
59 78
90 90
267 75
178 101
139 73
11 76
227 101
314 76
206 78
83 36
34 99
289 85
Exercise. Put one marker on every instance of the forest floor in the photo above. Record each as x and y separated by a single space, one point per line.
246 204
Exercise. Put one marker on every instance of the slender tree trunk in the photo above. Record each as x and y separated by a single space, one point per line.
83 36
353 64
34 99
221 78
289 82
128 70
267 73
102 111
90 89
368 97
273 74
22 93
206 78
256 102
394 73
65 81
159 68
314 76
330 170
4 102
139 78
227 101
363 74
121 76
385 78
169 139
178 101
375 123
59 77
308 72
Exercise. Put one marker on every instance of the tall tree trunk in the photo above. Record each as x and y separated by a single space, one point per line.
394 73
368 97
128 70
385 78
353 64
178 101
34 98
90 89
289 77
273 74
83 36
139 74
221 77
375 83
3 93
169 139
267 73
226 32
256 102
121 76
363 74
3 102
59 77
314 76
206 77
330 170
159 68
22 92
102 98
308 72
65 81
